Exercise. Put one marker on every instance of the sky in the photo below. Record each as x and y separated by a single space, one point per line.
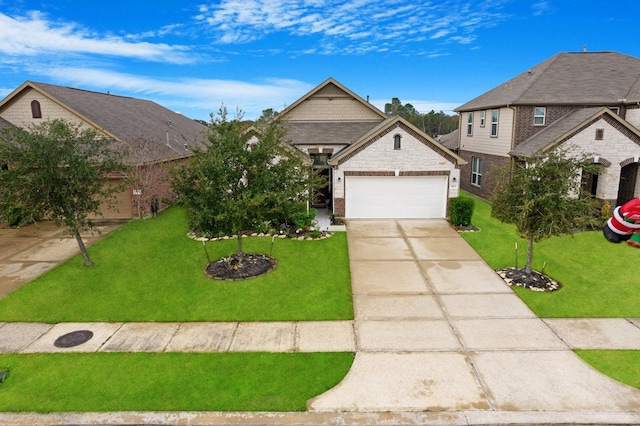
251 55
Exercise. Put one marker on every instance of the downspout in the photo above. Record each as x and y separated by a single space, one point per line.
513 136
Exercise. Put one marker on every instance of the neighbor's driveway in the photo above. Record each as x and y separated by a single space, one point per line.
28 252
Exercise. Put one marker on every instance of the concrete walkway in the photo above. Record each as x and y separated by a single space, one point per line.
439 339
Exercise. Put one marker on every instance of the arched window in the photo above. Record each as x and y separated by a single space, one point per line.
35 109
396 142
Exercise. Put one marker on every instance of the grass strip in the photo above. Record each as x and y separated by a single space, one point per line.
101 382
622 365
149 270
597 276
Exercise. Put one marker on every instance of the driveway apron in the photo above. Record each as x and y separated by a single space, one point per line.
438 330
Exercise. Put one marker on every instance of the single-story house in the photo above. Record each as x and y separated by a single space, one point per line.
377 166
154 135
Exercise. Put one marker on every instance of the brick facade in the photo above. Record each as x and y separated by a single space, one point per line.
491 166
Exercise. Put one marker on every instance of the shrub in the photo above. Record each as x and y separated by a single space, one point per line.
461 211
16 215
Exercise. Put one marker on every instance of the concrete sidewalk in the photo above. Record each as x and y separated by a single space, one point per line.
439 339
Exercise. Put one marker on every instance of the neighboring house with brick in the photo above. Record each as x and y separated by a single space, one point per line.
587 102
155 136
376 166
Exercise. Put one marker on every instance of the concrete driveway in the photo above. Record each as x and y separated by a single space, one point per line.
438 330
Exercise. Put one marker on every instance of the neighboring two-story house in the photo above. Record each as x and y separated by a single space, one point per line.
154 135
377 166
585 102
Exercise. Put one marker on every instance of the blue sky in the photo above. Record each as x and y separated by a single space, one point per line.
257 54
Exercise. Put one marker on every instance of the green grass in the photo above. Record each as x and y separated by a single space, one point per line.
168 381
599 278
599 281
622 365
150 271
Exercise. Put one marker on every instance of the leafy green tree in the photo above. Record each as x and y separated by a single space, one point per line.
543 198
56 171
246 177
432 123
395 107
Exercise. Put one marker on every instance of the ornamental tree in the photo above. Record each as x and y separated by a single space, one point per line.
247 176
57 171
543 197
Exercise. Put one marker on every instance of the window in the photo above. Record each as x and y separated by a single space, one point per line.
396 142
599 134
494 123
539 116
476 171
35 109
482 118
319 159
470 124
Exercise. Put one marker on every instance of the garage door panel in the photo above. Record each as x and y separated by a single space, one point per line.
378 197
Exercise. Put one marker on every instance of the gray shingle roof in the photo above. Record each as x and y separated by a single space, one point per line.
328 132
155 132
579 78
450 140
553 134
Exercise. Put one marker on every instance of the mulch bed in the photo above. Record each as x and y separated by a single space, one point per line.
534 281
232 268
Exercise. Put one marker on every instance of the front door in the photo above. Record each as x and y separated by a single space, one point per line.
627 188
322 196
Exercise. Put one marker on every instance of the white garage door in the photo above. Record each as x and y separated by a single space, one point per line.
394 197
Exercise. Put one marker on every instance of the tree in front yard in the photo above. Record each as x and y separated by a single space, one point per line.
57 171
543 197
246 177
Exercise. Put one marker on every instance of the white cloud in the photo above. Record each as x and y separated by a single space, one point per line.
342 23
34 35
195 97
541 8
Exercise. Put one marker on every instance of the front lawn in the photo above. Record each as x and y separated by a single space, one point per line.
599 279
150 271
167 382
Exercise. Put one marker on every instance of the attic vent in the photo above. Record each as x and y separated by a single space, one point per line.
599 134
36 112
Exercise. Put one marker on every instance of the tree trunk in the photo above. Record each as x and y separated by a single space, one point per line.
527 268
83 248
239 253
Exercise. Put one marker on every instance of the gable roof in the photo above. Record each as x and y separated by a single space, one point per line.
385 127
152 131
578 78
331 88
329 129
566 127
